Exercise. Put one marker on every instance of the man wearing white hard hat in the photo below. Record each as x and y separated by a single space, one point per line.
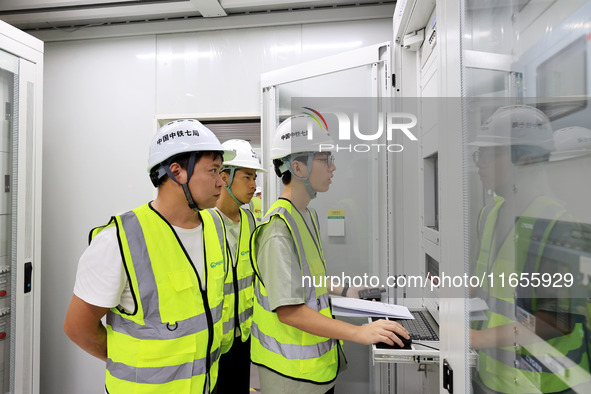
295 340
157 273
239 177
519 216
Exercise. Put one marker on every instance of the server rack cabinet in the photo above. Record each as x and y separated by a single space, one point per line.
21 77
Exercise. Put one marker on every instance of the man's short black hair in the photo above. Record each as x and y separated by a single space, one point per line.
286 176
183 160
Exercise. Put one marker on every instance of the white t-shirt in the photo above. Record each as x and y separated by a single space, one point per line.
232 233
101 278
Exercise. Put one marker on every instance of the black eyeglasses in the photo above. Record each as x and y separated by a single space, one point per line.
329 160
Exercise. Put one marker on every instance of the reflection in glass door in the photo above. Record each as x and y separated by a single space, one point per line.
530 138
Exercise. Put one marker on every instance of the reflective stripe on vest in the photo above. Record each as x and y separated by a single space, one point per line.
292 352
160 375
189 326
238 288
171 341
243 283
244 316
281 347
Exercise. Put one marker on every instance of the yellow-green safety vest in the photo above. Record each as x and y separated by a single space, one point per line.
238 289
255 208
280 347
517 369
170 343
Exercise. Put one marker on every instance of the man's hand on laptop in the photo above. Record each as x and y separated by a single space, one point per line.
386 331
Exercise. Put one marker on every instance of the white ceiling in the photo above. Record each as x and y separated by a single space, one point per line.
58 20
52 14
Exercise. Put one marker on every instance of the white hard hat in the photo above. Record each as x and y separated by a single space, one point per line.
246 157
258 190
571 142
183 136
516 125
293 136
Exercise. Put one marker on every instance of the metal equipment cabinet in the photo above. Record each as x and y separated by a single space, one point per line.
21 77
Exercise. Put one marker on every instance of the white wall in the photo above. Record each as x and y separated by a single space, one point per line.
100 100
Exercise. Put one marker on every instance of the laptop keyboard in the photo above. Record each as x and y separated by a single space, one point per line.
419 328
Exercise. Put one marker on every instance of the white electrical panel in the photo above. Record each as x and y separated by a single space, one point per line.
21 79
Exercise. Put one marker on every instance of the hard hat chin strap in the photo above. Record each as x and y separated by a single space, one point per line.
185 186
309 161
229 187
190 201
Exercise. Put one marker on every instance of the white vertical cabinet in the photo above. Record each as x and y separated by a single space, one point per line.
21 78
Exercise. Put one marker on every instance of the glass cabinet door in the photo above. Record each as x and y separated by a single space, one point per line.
528 133
21 77
8 74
